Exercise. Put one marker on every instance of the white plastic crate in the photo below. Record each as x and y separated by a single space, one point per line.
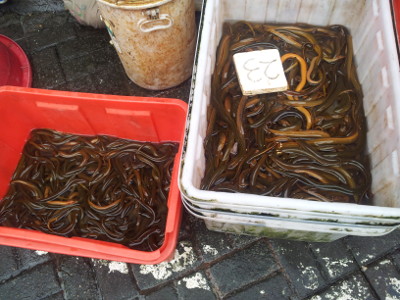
370 24
293 214
281 227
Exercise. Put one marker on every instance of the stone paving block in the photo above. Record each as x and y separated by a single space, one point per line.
10 26
107 57
111 79
108 75
385 279
7 8
9 264
353 288
37 283
211 244
83 45
396 259
297 260
84 84
275 288
165 293
13 32
29 6
30 258
10 19
58 296
184 261
335 259
242 268
79 67
114 280
368 249
44 59
35 22
48 72
195 286
77 278
50 37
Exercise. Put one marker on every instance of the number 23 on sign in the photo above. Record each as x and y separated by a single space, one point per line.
260 72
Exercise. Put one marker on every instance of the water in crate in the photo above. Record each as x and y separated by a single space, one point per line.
98 187
307 142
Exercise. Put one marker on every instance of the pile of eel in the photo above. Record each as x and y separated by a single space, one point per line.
308 142
97 187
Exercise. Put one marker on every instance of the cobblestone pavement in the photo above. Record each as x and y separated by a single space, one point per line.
207 265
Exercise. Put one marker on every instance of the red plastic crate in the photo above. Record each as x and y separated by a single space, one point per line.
136 118
396 17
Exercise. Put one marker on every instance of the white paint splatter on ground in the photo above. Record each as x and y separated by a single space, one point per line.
100 262
179 263
335 267
367 258
113 266
283 250
317 250
310 278
394 283
116 266
197 281
385 262
40 253
210 250
345 291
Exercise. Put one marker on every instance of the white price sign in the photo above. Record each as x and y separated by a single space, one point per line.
260 72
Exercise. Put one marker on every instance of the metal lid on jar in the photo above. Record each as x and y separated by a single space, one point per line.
134 4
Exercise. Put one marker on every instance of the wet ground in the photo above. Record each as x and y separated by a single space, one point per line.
207 265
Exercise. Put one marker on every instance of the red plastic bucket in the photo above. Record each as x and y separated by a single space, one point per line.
14 64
